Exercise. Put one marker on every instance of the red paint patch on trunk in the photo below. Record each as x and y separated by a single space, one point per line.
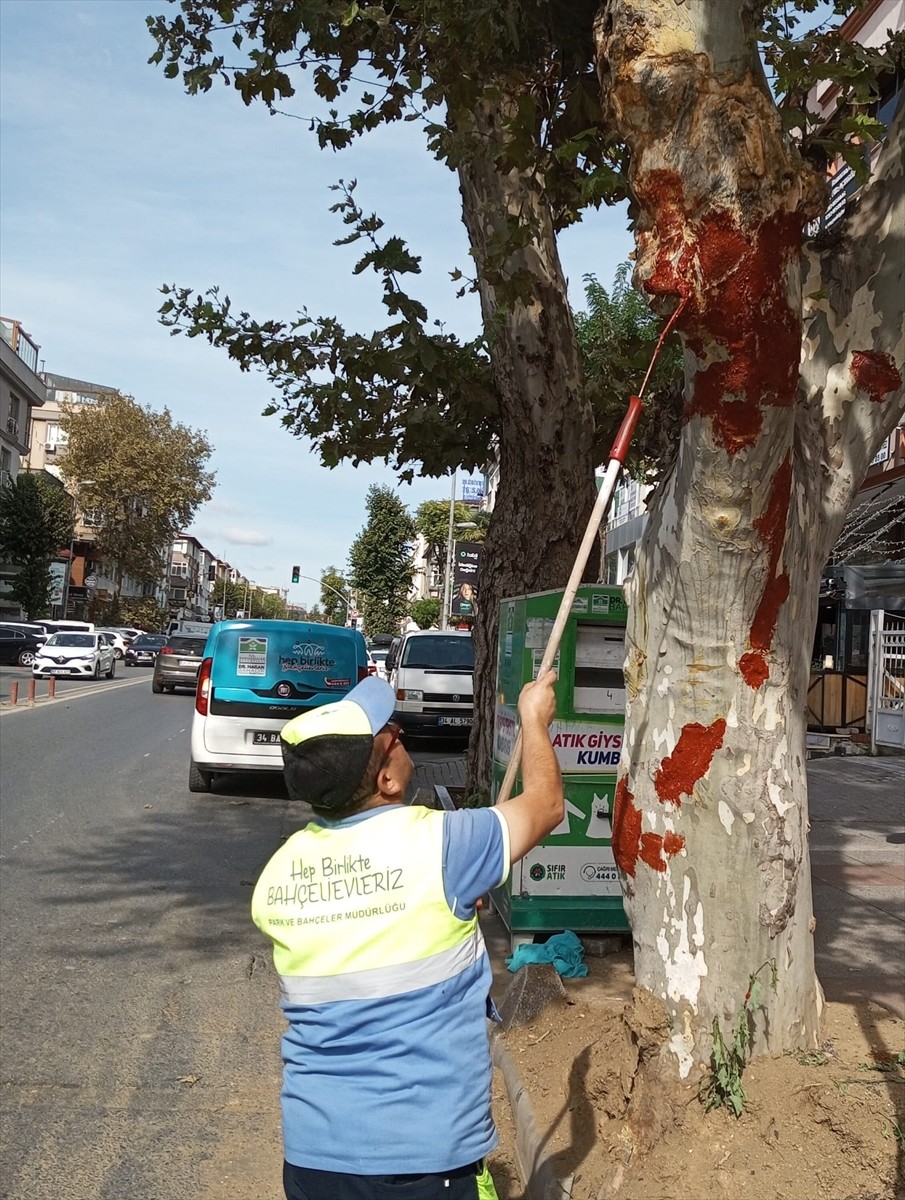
626 829
690 760
656 849
737 311
754 669
630 844
771 525
875 373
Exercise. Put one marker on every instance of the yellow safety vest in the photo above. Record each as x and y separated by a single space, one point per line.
359 911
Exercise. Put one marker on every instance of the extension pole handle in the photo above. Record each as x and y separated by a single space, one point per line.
608 485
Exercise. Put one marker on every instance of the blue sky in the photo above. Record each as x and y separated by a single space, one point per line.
114 182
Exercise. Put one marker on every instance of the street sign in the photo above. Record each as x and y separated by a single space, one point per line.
90 581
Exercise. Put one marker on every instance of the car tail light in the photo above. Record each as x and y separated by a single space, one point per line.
202 692
363 673
372 670
167 650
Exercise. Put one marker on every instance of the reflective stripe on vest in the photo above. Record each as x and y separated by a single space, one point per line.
360 911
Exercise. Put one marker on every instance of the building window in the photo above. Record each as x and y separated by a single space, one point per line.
178 594
55 436
611 569
6 466
179 568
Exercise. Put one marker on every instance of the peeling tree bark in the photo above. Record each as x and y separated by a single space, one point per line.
710 826
546 488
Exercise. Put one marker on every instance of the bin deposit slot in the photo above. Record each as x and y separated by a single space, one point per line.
599 681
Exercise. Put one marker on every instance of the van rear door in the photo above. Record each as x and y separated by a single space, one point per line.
263 677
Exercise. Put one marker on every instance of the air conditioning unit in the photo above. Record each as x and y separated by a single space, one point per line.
12 426
50 447
4 478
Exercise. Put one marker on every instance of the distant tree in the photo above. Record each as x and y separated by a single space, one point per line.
135 612
617 336
381 561
333 588
35 523
269 606
432 522
147 478
425 613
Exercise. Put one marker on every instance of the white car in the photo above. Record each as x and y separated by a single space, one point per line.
83 655
119 642
377 659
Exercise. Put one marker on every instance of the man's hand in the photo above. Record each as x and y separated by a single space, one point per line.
537 702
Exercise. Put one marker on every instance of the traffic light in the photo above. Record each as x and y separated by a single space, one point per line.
295 574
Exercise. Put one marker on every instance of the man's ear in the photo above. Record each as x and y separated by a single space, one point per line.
387 782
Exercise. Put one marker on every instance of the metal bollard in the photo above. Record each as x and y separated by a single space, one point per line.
31 693
14 692
51 689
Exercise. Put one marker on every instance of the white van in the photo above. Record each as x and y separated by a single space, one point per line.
430 670
68 626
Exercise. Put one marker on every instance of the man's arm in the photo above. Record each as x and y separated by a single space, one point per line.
538 809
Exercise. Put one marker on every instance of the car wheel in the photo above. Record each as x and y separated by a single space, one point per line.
199 781
112 671
117 653
26 658
156 686
97 669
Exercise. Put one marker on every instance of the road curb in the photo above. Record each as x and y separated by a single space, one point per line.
539 1179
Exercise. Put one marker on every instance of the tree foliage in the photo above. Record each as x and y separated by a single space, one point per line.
426 613
432 523
334 597
618 336
380 562
35 524
143 476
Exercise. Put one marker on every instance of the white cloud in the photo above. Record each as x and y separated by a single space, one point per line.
246 537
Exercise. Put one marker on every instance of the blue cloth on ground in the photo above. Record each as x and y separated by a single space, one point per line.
563 950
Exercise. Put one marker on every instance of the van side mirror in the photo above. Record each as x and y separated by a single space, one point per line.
390 661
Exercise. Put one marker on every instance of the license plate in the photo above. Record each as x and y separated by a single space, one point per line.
58 671
265 738
454 720
188 662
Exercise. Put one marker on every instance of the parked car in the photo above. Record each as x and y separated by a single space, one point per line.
431 672
177 663
18 644
143 651
120 645
129 633
78 654
378 658
256 676
50 627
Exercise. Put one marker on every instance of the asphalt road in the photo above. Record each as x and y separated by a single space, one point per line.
140 1028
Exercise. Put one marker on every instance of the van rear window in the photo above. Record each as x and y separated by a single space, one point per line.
439 653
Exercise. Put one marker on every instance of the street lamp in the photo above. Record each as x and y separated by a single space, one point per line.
76 484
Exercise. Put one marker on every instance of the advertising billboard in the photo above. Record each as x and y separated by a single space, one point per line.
473 490
466 564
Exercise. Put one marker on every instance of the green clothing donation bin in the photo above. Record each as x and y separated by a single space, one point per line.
570 881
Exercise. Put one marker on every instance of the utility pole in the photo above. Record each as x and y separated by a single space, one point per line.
447 582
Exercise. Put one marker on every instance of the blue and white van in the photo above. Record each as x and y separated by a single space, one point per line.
257 675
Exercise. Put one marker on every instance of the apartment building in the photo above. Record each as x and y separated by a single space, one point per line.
22 394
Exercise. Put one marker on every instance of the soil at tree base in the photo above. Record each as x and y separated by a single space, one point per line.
824 1126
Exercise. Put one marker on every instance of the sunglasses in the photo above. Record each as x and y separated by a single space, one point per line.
397 732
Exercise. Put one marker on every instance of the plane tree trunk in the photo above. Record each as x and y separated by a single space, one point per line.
546 489
711 819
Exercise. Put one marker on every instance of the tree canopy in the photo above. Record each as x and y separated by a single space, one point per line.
35 525
335 599
141 473
380 562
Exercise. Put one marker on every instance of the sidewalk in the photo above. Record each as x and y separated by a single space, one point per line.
857 843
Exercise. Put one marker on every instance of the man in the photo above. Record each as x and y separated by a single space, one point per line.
383 972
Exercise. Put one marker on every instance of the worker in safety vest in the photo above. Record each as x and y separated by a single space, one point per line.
384 976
